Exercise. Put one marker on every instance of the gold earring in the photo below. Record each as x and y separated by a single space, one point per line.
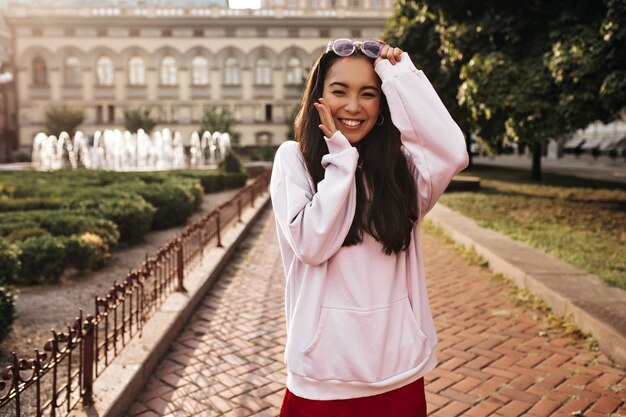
382 120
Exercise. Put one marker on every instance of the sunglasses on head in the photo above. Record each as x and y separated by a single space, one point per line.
346 47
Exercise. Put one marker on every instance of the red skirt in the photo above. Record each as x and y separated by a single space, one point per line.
407 401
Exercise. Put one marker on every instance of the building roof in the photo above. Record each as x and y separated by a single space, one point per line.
106 3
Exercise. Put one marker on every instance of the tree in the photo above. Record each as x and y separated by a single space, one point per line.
217 119
588 60
63 119
139 118
523 72
415 28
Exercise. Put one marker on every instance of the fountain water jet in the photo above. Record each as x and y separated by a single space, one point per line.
124 151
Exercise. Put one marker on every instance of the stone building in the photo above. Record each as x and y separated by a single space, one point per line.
8 101
177 57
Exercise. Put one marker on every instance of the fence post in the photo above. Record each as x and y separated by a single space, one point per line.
219 227
251 197
239 208
180 263
89 359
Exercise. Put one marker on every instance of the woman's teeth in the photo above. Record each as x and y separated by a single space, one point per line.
351 123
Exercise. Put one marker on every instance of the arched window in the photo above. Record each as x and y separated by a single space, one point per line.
263 75
136 71
72 71
232 75
104 71
200 71
169 71
40 72
294 71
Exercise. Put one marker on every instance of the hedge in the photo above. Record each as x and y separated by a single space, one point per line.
7 310
9 261
67 218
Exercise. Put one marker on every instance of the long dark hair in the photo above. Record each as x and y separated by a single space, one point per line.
390 214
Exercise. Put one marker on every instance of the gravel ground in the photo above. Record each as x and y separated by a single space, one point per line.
44 307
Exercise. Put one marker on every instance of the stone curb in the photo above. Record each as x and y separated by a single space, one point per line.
593 305
119 384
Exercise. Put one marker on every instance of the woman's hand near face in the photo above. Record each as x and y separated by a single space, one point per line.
328 124
390 53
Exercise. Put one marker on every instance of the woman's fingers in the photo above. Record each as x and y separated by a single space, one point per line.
326 117
390 53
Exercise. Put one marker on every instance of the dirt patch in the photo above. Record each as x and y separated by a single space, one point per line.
44 307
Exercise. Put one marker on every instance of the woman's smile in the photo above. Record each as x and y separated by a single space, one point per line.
352 93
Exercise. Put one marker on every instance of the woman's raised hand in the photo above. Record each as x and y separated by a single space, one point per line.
390 53
328 124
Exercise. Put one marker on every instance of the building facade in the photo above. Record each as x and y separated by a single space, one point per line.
8 100
177 57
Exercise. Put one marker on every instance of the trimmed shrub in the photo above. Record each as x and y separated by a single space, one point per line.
173 204
7 310
230 163
41 258
212 181
131 215
9 261
88 251
34 203
22 234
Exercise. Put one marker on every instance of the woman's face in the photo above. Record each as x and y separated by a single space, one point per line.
352 91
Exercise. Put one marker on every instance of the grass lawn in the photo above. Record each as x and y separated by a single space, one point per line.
580 221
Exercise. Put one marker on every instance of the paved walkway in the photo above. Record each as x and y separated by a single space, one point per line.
495 358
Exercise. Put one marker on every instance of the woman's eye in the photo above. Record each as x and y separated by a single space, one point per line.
338 92
369 95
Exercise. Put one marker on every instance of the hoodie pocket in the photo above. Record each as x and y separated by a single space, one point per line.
364 345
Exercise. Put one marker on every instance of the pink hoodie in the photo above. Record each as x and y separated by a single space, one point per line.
358 321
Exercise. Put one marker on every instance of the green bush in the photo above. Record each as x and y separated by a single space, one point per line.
173 204
230 163
57 223
7 310
87 251
9 261
33 203
25 233
267 152
213 181
132 216
42 258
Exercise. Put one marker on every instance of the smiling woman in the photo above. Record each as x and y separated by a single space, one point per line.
375 148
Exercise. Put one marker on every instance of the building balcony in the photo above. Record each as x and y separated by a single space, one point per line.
39 92
231 91
263 91
72 91
136 91
104 92
293 90
168 91
200 91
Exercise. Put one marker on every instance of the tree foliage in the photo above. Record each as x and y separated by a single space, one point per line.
63 119
217 119
521 72
139 118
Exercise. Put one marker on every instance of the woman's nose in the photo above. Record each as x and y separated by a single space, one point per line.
353 105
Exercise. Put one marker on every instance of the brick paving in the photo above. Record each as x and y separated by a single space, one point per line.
495 358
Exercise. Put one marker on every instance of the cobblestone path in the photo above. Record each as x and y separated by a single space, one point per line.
496 358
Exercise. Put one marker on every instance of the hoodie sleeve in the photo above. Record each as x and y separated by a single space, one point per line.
429 134
315 225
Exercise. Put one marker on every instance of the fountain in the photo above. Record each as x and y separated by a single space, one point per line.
124 151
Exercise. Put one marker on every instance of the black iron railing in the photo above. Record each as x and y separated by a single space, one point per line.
62 375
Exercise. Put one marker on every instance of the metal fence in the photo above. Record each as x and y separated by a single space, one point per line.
61 375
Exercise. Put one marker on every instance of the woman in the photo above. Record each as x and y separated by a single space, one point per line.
375 148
